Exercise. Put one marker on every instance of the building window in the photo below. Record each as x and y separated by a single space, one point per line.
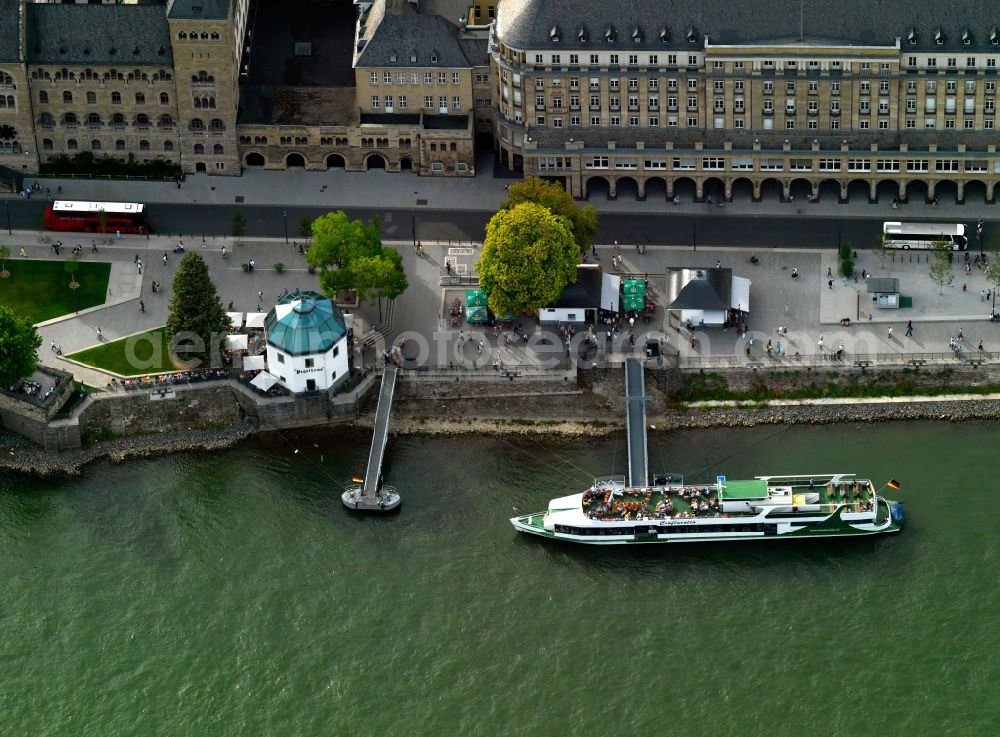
68 97
140 98
91 98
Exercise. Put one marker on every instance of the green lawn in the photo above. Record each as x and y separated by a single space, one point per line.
149 350
39 290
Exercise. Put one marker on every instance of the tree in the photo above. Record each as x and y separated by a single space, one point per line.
195 309
350 255
71 265
102 221
19 342
941 272
883 247
4 255
239 227
582 222
306 227
529 255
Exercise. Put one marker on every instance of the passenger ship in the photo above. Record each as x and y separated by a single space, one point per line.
764 508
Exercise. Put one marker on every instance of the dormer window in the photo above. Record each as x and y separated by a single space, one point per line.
911 37
939 37
554 34
692 35
434 57
392 56
966 37
581 34
413 57
637 35
664 35
994 37
609 34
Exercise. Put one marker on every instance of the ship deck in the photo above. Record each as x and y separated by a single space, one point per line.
680 502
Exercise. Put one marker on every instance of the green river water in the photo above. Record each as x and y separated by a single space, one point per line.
231 594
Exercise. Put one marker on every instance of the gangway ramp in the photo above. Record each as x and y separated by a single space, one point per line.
380 435
635 401
372 495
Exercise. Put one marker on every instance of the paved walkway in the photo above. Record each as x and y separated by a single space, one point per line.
337 188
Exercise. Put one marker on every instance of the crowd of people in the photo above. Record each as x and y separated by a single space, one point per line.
674 502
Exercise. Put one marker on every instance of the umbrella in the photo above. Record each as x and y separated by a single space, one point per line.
256 319
236 318
264 381
236 342
253 362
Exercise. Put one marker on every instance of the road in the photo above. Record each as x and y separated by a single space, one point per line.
711 229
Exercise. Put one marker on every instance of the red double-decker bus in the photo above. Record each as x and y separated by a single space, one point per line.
86 217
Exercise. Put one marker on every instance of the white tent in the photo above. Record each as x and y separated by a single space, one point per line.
253 362
611 285
256 319
740 295
236 342
264 381
236 318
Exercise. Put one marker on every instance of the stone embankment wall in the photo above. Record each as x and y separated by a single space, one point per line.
893 381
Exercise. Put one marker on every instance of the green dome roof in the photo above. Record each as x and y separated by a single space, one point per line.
304 322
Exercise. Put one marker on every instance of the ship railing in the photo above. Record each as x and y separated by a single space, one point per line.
824 508
617 480
818 479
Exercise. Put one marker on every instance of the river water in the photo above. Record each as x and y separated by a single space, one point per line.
231 594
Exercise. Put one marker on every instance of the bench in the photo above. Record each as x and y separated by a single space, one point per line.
862 364
917 362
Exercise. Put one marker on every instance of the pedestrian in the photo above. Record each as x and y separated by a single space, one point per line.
260 295
909 328
864 274
795 273
965 288
895 203
980 346
142 306
100 335
53 346
593 250
252 264
164 259
820 343
982 295
22 253
830 283
616 246
960 336
718 264
829 271
136 259
479 348
447 267
890 332
139 266
777 347
230 305
224 253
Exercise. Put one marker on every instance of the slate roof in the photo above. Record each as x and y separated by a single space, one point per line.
528 24
585 292
98 34
396 29
304 322
9 30
698 289
209 9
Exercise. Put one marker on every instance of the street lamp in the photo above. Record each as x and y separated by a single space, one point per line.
979 232
694 236
284 215
413 227
6 205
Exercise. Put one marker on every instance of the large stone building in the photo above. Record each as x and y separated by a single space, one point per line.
777 98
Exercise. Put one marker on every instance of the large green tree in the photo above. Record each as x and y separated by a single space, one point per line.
195 310
941 272
19 342
582 221
529 255
350 255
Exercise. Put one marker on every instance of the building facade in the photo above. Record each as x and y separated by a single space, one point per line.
806 101
307 347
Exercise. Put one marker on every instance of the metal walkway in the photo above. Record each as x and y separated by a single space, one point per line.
373 476
635 402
